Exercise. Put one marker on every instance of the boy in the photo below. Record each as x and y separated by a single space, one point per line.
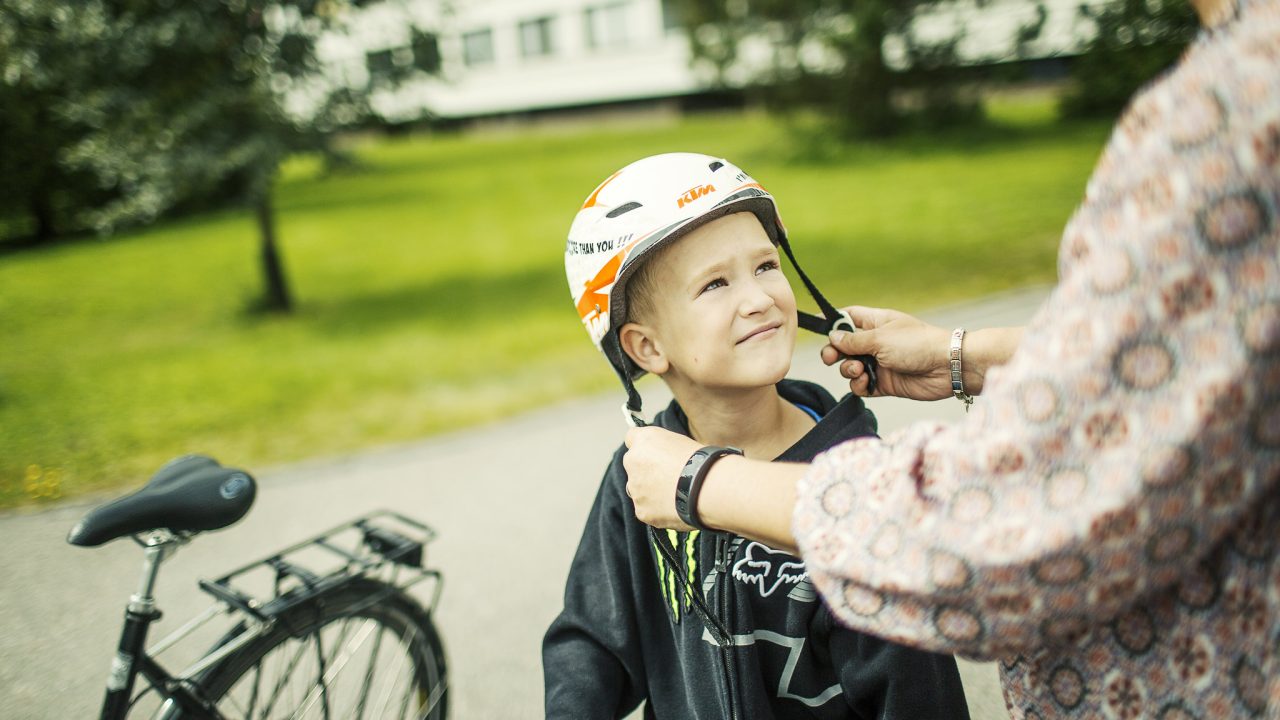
674 266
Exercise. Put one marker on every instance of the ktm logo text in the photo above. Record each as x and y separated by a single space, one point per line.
694 193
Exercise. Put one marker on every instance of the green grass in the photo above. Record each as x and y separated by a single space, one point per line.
431 290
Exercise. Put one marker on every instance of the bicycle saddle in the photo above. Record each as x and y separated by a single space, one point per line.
189 494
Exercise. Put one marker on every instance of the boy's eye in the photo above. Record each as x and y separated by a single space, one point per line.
766 266
718 282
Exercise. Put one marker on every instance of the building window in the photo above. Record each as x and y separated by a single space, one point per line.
607 26
426 51
535 37
477 48
398 64
380 62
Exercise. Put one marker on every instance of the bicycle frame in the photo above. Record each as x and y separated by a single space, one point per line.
131 658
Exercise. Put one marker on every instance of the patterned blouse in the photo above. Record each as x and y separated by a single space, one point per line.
1105 521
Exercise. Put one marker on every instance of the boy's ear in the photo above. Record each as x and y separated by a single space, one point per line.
641 346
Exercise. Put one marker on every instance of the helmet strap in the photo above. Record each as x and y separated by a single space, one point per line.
631 408
829 312
618 358
833 319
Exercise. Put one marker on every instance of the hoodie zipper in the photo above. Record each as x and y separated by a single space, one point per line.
726 657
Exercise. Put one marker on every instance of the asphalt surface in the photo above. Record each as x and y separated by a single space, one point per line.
508 500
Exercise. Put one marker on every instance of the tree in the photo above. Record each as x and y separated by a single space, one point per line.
862 62
34 132
1133 41
175 104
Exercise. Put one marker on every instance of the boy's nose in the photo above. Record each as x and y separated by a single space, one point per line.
755 299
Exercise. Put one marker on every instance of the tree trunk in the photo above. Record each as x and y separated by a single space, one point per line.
41 208
276 296
868 93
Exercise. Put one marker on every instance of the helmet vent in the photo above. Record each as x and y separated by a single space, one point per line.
628 207
715 165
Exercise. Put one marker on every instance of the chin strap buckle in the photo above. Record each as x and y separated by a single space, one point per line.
845 322
632 416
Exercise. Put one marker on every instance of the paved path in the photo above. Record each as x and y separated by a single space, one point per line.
508 500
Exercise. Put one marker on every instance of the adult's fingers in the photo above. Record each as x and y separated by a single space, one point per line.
867 318
859 385
830 355
852 369
634 435
859 379
862 342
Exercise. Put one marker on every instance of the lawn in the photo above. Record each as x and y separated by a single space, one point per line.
431 293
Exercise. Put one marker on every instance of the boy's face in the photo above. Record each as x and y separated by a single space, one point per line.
723 313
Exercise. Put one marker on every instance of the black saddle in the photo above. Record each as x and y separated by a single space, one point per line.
189 494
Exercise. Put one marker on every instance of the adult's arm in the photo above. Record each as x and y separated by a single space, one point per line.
752 498
1135 424
756 499
914 356
1118 445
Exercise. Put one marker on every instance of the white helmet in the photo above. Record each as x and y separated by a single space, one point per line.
643 207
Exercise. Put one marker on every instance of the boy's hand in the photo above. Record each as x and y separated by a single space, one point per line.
653 461
912 354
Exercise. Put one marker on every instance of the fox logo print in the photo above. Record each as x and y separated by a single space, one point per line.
767 568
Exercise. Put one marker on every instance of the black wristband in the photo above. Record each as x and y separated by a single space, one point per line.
690 484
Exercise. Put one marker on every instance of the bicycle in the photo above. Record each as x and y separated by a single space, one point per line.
305 642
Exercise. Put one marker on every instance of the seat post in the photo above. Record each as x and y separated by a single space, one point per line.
138 616
143 602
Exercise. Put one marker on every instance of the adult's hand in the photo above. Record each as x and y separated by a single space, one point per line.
654 459
913 356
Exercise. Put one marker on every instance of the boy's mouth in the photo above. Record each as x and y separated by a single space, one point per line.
761 332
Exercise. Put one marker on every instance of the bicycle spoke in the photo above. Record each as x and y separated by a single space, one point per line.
284 679
338 664
368 675
437 691
240 709
253 693
320 676
408 695
400 658
236 706
257 687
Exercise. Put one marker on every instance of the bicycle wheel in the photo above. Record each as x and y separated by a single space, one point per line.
366 650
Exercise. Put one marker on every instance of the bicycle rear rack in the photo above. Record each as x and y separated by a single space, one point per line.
384 545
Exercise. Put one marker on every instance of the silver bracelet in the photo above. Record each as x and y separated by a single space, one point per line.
957 373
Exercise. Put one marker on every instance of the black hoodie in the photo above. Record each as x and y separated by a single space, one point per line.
630 630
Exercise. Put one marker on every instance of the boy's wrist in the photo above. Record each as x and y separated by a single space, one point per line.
692 477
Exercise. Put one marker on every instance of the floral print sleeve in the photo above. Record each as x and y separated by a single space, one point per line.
1105 520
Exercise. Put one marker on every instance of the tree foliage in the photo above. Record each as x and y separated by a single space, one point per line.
863 63
118 111
34 83
1134 40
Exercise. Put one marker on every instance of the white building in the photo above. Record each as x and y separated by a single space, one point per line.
510 56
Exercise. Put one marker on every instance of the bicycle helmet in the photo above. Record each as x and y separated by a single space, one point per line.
644 207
